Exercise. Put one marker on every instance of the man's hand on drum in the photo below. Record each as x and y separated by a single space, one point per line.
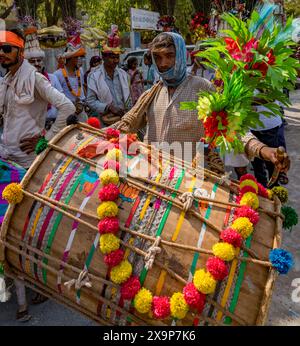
28 144
270 154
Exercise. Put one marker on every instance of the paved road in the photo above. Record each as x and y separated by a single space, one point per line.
283 310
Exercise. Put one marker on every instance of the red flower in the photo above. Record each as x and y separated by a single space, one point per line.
231 45
213 122
161 307
193 297
130 288
262 67
271 58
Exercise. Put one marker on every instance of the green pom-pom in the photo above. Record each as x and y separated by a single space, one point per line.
282 193
1 269
42 144
290 217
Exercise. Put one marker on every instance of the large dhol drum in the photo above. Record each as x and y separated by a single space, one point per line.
51 238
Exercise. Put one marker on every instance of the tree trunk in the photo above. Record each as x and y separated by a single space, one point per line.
28 7
202 6
6 13
52 12
68 8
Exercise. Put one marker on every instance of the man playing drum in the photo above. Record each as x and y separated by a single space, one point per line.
159 107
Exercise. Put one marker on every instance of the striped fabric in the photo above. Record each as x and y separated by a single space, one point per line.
9 173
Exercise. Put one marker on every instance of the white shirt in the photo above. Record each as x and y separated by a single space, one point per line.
23 104
74 85
52 112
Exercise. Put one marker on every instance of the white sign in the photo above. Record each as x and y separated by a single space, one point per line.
141 19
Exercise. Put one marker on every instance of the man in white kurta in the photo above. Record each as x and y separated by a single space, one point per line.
24 97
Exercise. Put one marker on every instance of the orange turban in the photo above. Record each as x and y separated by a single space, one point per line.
8 37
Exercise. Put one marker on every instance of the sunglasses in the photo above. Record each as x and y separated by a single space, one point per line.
6 48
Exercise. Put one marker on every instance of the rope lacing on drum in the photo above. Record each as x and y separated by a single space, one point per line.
151 253
187 198
82 280
225 179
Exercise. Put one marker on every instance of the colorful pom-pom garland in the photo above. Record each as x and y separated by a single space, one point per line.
205 280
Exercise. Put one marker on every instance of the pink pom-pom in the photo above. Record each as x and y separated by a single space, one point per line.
247 176
217 268
161 307
262 191
248 212
246 189
108 225
114 258
95 122
112 133
193 297
130 288
109 192
112 164
231 236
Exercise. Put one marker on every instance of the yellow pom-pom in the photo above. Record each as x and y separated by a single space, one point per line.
13 193
250 199
121 272
248 182
143 301
282 193
243 226
204 282
114 154
108 243
109 176
178 306
107 209
224 251
270 194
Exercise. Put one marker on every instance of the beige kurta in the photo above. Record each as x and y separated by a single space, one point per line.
165 122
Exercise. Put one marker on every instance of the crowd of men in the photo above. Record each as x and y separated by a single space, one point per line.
36 103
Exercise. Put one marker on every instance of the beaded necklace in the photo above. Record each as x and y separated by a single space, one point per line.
68 82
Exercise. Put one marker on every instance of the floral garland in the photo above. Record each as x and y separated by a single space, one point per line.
193 295
64 72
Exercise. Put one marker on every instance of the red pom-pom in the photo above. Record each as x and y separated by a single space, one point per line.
231 236
130 288
248 212
109 192
262 191
161 307
193 297
112 164
112 133
114 258
217 268
108 225
95 122
246 189
247 176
